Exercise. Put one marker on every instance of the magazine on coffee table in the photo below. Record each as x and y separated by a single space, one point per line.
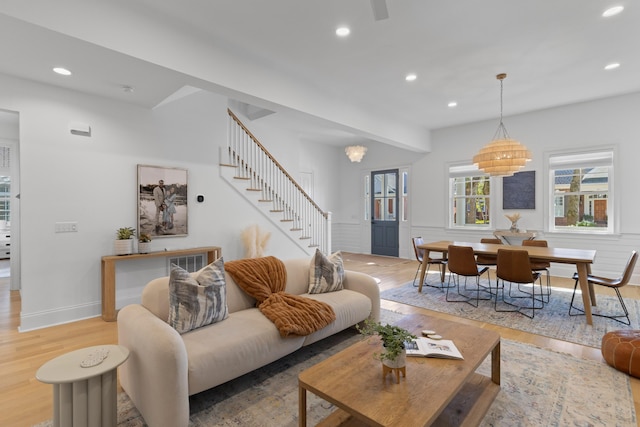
426 347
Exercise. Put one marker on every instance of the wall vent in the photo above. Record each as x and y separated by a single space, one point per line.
191 263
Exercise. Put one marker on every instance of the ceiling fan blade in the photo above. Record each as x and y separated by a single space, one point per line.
379 8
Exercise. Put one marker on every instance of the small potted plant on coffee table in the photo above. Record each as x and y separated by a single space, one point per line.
393 338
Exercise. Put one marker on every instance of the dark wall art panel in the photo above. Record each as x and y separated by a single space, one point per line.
519 191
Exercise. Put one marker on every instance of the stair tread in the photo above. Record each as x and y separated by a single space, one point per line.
265 200
254 189
228 165
286 220
241 177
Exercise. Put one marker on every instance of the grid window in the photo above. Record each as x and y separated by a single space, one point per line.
5 197
367 198
582 192
470 197
405 196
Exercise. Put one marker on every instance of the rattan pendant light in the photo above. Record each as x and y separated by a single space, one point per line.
503 156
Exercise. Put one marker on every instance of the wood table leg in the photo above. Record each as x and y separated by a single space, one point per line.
423 270
586 294
443 268
108 290
495 364
592 292
212 256
302 406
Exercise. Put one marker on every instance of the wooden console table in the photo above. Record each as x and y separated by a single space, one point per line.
109 273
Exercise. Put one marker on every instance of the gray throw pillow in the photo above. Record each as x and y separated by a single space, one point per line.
326 273
199 301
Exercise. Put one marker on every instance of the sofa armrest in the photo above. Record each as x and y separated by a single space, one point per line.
156 374
367 285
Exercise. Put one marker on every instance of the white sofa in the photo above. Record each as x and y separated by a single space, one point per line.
165 368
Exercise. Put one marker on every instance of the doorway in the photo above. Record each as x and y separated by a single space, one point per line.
10 198
384 212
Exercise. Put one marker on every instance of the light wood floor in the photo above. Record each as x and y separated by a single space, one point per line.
24 401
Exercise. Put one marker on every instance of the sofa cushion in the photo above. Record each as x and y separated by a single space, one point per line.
350 307
197 301
326 273
223 351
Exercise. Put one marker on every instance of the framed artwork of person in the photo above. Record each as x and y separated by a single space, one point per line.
162 201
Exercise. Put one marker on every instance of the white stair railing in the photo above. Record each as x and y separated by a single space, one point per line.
254 164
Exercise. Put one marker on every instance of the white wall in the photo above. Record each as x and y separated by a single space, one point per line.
92 180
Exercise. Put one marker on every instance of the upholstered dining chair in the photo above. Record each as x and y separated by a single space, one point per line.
440 262
614 284
488 260
461 262
513 266
540 266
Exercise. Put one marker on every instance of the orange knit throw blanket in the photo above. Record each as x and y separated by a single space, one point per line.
264 279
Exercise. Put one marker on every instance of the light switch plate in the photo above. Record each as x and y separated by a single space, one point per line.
66 227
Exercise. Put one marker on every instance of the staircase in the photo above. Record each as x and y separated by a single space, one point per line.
250 169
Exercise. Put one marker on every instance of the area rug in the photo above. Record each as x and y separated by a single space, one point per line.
539 388
552 321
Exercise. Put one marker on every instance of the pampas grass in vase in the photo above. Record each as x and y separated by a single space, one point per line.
514 221
255 241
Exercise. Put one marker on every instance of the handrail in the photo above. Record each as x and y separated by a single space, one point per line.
263 173
262 147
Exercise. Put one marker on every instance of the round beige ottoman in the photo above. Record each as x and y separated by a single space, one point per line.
621 349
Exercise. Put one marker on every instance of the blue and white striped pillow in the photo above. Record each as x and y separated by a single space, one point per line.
326 273
199 301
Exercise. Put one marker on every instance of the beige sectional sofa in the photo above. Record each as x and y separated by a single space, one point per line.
165 368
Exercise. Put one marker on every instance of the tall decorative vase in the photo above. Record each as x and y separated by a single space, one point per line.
123 247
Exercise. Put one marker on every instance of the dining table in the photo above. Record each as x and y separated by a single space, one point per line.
581 258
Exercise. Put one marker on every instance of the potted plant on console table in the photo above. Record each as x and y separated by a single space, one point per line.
144 243
124 241
394 355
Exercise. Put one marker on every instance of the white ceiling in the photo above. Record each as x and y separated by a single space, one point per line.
554 53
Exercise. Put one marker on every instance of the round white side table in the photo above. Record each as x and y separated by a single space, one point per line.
84 396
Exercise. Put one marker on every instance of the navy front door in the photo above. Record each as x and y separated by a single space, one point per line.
384 212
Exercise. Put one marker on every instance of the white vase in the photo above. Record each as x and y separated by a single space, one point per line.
144 247
123 247
399 362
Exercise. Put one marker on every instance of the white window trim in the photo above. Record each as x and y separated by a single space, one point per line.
583 157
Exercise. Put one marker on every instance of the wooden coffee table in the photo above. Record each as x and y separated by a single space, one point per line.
435 391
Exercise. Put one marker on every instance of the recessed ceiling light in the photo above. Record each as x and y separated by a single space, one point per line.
411 77
452 104
612 66
343 31
62 71
612 11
